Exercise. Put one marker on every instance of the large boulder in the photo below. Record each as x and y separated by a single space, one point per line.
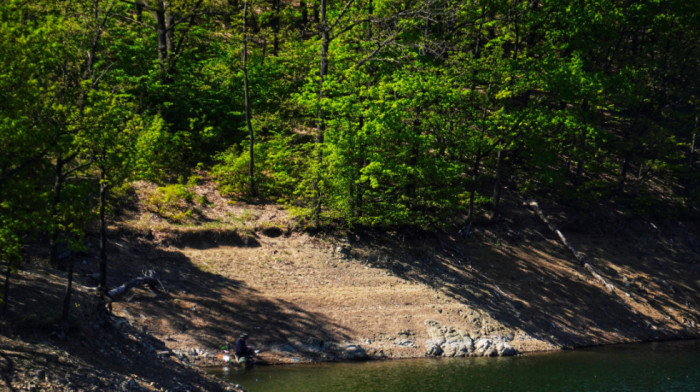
354 352
457 344
504 349
485 347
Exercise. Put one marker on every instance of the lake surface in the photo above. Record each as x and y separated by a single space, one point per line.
668 366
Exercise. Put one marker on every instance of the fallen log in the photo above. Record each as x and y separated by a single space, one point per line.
152 283
579 257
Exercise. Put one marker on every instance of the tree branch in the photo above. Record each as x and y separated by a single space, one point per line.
342 13
579 257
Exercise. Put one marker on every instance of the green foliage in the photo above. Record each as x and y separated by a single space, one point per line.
584 102
173 202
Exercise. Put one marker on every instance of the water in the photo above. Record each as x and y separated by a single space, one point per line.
669 366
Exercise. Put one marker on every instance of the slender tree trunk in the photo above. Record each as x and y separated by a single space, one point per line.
139 10
691 152
314 11
251 141
692 182
67 295
355 186
6 289
411 186
57 187
323 68
321 127
304 15
162 34
276 27
170 43
580 163
497 183
103 229
475 176
623 172
578 176
426 34
370 13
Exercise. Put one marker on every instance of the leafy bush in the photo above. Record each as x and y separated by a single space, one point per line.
172 202
231 173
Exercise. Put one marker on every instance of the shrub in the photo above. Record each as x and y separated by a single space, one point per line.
172 202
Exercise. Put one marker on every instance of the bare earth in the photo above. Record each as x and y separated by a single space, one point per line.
304 297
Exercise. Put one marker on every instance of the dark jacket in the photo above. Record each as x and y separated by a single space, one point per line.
241 349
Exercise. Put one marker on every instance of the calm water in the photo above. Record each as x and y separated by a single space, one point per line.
669 366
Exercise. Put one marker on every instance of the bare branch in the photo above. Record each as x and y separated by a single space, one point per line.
342 13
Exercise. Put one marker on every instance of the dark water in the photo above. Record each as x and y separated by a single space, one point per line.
669 366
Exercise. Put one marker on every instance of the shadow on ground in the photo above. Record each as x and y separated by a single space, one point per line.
198 310
518 273
207 309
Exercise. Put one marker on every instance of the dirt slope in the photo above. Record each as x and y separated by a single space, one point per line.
240 268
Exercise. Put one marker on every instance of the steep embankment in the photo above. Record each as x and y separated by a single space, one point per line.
509 287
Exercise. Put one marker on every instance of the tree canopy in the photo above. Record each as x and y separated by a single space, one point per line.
357 112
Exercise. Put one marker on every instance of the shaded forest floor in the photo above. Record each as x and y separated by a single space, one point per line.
232 267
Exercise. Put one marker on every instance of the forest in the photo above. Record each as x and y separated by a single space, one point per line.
371 113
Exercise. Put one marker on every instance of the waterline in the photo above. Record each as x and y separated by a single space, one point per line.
669 366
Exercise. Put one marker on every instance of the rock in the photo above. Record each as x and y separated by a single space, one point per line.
435 332
433 349
507 351
484 347
457 345
288 348
496 346
404 342
355 352
316 345
455 349
130 385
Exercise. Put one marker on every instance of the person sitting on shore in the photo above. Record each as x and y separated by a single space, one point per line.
242 351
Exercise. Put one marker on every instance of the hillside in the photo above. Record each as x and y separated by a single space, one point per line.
508 287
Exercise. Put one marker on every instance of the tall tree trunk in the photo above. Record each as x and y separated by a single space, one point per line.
251 141
623 172
162 34
578 176
321 127
580 163
355 185
475 177
6 289
170 43
691 152
370 13
103 229
304 15
276 4
497 183
411 186
66 297
139 10
314 12
57 187
692 182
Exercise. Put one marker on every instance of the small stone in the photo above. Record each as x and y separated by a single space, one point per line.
433 349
